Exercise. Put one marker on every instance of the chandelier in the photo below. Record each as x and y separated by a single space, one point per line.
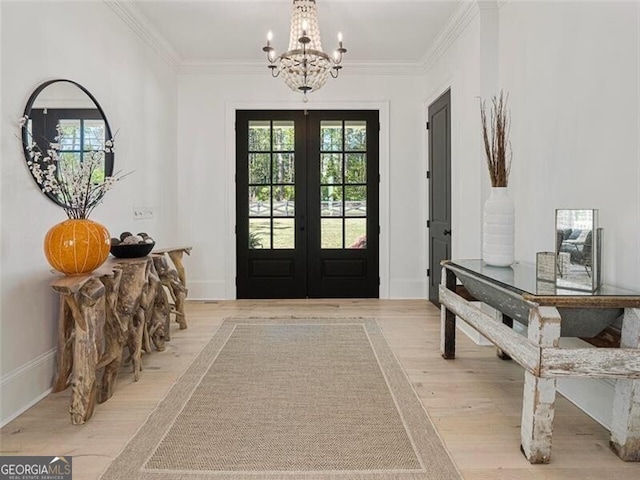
304 67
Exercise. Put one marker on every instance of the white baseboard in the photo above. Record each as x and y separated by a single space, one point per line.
217 290
25 386
211 290
407 289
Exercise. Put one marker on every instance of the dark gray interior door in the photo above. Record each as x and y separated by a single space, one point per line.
439 189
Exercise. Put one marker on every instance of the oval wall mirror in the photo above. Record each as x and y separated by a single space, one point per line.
63 113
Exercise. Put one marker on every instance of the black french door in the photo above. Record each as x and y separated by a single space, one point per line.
307 195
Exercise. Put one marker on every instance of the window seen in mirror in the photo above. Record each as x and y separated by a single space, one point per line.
78 137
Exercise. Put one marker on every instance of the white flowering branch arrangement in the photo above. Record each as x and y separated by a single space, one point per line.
79 186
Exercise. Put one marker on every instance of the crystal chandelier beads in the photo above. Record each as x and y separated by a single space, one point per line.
304 67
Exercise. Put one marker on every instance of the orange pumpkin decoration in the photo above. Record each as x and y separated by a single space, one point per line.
77 246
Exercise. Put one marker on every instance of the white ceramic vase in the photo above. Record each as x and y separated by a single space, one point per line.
498 229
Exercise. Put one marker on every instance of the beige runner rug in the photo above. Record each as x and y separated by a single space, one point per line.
312 399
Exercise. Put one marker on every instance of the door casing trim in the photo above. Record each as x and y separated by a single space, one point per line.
230 185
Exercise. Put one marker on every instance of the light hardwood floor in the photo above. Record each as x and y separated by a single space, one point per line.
474 401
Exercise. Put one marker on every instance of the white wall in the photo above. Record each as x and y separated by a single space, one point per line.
572 72
88 43
460 70
571 69
206 146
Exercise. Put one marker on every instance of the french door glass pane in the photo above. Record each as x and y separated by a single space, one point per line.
259 233
355 133
283 135
259 135
331 201
343 178
355 204
272 184
331 233
283 168
331 135
355 168
284 233
259 201
284 201
356 193
259 167
331 168
355 232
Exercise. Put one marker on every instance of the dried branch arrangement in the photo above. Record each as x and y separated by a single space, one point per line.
497 146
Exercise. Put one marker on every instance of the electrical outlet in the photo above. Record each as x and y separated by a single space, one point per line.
138 213
147 213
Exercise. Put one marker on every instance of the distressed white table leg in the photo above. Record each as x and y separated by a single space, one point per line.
625 425
539 393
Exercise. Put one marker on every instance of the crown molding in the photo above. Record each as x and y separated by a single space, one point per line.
223 67
140 25
456 24
231 67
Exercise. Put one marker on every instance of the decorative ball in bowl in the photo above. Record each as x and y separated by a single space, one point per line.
132 246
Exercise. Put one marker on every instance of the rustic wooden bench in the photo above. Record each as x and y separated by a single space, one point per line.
547 316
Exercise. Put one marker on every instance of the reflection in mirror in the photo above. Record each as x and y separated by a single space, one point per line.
63 119
578 241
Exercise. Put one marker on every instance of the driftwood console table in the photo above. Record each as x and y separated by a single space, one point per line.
121 304
549 313
174 279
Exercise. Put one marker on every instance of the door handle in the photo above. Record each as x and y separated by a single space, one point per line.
447 232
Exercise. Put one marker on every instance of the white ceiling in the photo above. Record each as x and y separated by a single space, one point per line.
214 31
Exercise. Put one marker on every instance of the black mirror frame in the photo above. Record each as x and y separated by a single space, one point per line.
108 158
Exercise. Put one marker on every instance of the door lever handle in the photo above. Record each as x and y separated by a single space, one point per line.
447 232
